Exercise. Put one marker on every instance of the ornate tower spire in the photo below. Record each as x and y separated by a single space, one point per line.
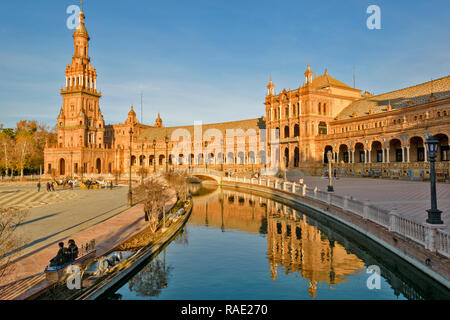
270 87
308 74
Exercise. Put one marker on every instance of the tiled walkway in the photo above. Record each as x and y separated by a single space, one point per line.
411 198
107 235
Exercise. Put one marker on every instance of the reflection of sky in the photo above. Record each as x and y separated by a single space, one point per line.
233 265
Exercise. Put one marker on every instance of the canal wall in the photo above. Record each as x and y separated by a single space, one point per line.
434 265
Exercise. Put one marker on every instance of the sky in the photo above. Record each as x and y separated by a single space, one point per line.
211 60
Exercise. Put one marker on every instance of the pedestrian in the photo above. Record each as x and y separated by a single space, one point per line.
334 173
39 186
52 186
48 186
73 249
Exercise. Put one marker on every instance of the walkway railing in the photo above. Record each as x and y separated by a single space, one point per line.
430 237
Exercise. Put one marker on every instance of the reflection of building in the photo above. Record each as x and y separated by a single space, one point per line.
299 246
293 243
369 135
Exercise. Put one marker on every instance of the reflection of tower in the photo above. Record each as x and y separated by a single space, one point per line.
206 214
312 288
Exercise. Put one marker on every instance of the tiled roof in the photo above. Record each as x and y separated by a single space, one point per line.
161 133
326 80
415 95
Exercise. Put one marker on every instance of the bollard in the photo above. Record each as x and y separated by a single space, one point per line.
346 202
393 220
366 209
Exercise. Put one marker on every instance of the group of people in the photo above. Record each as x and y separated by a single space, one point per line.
65 255
51 186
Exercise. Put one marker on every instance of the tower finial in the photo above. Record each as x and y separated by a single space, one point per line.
81 5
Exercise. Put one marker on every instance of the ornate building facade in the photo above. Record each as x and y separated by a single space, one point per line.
369 135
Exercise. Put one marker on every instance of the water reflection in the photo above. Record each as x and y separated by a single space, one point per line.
278 252
152 279
294 244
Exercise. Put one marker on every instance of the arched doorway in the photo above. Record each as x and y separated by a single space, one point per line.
395 151
343 153
296 130
417 150
98 165
377 151
443 148
296 157
62 166
360 156
325 157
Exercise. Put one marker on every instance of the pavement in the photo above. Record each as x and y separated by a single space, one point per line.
54 216
82 221
410 198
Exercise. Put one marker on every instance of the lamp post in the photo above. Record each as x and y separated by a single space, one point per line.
142 163
154 156
167 156
434 214
330 176
206 158
130 193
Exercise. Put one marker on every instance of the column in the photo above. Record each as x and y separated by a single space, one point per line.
369 153
425 153
383 156
387 155
403 154
67 82
95 84
407 154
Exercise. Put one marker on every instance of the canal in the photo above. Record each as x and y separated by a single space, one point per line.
244 246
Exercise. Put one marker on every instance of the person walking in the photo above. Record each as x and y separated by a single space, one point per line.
39 186
48 186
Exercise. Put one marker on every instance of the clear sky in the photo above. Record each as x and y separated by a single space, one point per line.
211 60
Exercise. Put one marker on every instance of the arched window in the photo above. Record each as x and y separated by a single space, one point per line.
322 128
286 131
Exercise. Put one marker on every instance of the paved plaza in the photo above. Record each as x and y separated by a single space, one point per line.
411 198
59 214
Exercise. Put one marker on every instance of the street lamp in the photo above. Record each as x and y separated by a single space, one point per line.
330 176
167 156
207 156
142 164
434 215
130 193
154 156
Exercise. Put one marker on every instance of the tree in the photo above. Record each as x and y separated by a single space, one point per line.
177 181
154 196
10 240
6 143
24 148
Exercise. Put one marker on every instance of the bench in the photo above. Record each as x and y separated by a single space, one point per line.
54 275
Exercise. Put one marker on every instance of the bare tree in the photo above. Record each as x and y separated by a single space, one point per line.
177 181
10 240
153 195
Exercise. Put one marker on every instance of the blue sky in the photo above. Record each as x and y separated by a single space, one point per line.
211 60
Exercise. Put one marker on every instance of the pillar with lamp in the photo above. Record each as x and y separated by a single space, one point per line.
330 175
434 214
130 192
154 156
166 139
